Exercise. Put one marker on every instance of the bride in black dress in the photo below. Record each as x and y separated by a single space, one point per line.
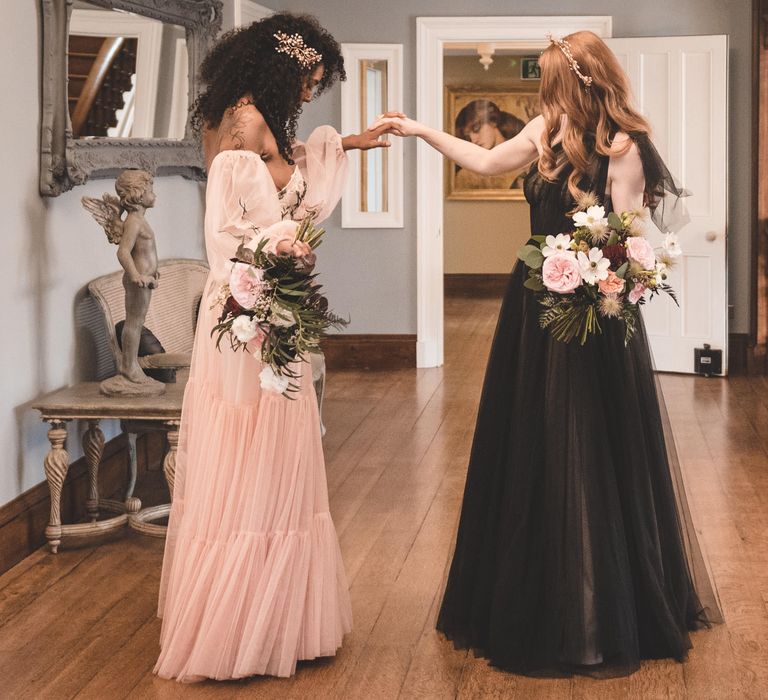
575 551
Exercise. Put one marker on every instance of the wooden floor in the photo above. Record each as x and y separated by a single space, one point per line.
82 624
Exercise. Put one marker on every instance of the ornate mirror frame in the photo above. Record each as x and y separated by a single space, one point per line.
66 161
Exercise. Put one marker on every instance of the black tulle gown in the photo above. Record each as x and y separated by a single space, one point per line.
575 552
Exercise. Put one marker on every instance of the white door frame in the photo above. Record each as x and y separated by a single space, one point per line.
432 34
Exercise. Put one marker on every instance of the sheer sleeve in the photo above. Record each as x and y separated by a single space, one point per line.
241 201
664 195
323 163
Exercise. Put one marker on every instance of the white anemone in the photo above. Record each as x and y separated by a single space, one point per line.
594 267
561 243
594 219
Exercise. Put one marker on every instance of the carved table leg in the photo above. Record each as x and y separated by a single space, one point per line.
56 467
132 504
93 448
169 463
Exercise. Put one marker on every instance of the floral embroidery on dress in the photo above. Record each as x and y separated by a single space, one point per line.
291 198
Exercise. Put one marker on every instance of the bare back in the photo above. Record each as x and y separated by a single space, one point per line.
243 128
626 180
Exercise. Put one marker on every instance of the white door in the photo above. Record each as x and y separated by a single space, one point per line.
680 85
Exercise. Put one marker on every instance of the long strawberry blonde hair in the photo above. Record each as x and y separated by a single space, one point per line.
597 111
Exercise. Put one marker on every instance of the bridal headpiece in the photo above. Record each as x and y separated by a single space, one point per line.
293 45
565 47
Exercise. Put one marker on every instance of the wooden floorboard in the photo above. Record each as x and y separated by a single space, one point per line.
82 624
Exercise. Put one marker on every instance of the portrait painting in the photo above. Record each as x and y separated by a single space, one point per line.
487 118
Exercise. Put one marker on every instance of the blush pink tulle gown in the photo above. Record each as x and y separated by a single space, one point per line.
252 577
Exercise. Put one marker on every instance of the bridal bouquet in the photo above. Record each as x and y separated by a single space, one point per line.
272 306
601 269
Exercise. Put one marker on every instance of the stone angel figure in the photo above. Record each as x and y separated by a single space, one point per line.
137 254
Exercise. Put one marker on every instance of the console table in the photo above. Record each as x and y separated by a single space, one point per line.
85 402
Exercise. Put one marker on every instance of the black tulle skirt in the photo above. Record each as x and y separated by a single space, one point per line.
575 552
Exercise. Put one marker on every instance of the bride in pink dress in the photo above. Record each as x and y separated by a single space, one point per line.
252 577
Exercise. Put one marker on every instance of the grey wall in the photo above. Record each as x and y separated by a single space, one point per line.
371 274
50 250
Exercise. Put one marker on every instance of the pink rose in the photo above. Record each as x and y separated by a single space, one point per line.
561 273
639 250
613 284
637 291
245 284
256 343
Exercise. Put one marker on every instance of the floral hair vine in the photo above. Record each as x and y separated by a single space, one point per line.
293 45
565 47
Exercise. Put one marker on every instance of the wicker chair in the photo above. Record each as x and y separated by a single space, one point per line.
172 313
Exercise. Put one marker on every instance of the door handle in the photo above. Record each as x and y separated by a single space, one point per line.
711 236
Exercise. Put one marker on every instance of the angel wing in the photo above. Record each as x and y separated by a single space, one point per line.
107 212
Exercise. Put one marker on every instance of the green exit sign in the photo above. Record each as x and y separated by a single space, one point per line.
529 67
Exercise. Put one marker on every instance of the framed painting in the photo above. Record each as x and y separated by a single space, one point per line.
487 118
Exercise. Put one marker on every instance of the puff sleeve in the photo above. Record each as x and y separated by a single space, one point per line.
323 163
241 203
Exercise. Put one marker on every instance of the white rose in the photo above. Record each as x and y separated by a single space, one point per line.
270 381
245 328
672 246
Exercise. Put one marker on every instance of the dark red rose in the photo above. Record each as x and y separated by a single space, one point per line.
230 307
617 254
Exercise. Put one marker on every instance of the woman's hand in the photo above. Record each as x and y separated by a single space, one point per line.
370 138
298 249
399 124
504 157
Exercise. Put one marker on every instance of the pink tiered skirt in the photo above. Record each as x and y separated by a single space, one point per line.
252 576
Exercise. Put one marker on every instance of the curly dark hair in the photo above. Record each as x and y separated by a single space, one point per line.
245 62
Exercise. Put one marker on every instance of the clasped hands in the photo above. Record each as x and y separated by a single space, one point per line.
388 123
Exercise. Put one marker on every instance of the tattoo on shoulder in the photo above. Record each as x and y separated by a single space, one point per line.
236 126
233 135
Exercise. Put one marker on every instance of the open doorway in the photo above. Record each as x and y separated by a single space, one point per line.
491 93
524 35
680 83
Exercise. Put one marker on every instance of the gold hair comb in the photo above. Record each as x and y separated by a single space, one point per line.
565 47
293 45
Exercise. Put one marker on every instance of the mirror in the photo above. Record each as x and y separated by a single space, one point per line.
374 192
373 166
118 80
128 75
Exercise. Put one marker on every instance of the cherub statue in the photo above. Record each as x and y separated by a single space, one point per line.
137 255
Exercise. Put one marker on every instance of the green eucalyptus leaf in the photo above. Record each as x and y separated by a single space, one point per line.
534 259
534 283
614 221
526 250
